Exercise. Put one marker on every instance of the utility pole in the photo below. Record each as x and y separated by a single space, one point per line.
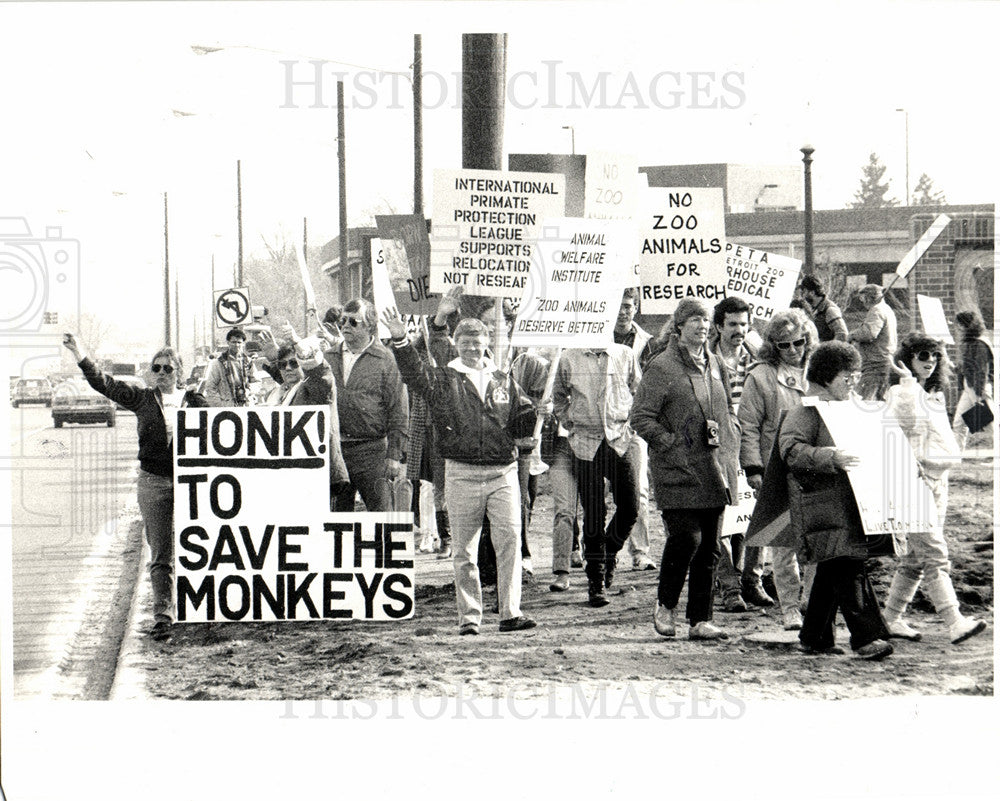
239 225
484 74
166 272
305 295
418 129
342 164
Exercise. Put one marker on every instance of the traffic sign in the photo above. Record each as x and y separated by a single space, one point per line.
232 307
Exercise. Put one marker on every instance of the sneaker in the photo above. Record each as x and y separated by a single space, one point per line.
468 628
609 571
526 566
706 631
899 629
964 628
517 623
160 631
560 583
445 551
575 560
792 619
732 601
643 562
754 594
879 649
663 621
833 650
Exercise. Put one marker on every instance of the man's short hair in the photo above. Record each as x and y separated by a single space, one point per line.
367 309
233 333
729 305
831 359
631 292
471 327
810 284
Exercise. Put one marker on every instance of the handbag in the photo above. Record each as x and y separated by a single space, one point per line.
978 417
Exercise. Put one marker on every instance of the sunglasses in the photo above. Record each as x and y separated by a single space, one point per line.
797 343
167 368
291 364
852 378
927 355
353 322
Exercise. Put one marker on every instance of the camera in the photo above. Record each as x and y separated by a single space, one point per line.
41 279
712 439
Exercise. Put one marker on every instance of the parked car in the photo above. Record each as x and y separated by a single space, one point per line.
31 390
134 380
76 402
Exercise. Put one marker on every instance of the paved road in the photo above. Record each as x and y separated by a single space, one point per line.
73 499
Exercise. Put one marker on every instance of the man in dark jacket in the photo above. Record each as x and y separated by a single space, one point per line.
373 409
480 416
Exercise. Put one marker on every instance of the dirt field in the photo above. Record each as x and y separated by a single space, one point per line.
576 646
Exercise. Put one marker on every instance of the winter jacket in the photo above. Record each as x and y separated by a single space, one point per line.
821 501
669 412
467 429
829 321
977 365
372 403
219 390
767 392
156 455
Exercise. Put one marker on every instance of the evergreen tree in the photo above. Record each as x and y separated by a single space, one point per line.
925 194
872 192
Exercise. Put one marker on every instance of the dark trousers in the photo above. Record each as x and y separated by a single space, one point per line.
843 584
600 544
690 552
366 469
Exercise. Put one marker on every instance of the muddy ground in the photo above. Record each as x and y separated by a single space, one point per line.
576 646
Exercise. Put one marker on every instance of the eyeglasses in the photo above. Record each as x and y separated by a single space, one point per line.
166 368
291 364
796 343
353 322
852 378
927 355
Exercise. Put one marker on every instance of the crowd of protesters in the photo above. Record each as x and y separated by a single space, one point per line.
669 419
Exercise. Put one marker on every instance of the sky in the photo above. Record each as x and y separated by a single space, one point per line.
104 124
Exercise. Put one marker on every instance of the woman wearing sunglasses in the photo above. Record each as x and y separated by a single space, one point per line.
918 396
304 379
154 408
775 384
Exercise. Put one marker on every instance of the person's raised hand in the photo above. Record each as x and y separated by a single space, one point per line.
448 304
755 481
394 323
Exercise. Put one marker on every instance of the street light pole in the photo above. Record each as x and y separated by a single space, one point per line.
418 128
572 138
342 170
807 151
239 224
906 123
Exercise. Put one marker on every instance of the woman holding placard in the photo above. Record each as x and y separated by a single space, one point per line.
917 401
155 409
774 384
825 514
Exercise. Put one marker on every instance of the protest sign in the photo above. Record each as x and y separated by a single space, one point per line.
736 518
891 496
682 252
485 224
574 285
611 186
925 241
766 281
932 315
254 537
406 258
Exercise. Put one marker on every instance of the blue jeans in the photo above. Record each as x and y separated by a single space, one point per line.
366 467
156 503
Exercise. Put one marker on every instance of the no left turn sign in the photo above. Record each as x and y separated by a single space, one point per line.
232 307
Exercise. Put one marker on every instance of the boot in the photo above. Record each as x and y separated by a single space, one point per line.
444 532
901 592
942 594
595 585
